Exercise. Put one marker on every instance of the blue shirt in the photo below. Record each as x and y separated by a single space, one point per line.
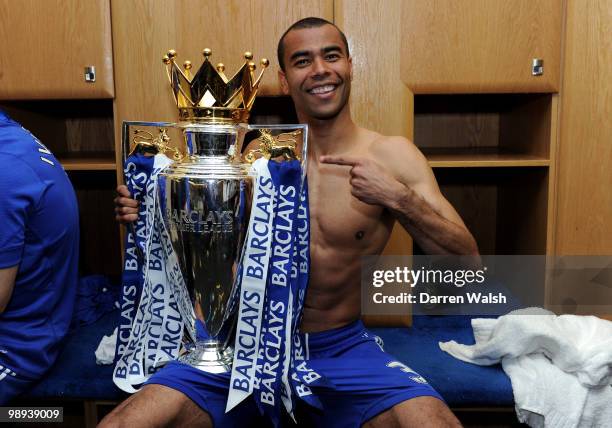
39 231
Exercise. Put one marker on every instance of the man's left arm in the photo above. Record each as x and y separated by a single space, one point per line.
398 178
7 283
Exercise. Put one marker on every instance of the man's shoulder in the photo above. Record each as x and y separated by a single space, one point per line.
393 143
23 151
389 149
14 139
400 156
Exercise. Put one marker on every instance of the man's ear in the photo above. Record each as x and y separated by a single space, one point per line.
350 61
282 79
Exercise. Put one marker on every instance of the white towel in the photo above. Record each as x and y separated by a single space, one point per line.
105 353
560 366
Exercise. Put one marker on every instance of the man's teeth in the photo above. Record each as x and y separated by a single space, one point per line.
322 89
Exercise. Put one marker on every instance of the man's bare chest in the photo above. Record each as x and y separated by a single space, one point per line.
337 218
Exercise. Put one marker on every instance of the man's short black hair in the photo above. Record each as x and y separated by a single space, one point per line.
310 22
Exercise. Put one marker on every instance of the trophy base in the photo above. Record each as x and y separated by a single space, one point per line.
209 357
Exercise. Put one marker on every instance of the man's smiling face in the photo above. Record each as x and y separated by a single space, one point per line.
318 71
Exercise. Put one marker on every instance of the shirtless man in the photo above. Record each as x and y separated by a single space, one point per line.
359 182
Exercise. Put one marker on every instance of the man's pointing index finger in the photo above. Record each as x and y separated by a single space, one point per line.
340 160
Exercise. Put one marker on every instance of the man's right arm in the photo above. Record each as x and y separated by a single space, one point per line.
399 179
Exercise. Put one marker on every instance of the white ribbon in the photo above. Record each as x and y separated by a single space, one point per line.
252 290
157 329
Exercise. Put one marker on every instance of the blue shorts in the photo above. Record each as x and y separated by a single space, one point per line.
367 382
11 385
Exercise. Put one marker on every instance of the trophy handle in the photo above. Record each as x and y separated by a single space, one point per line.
149 143
284 145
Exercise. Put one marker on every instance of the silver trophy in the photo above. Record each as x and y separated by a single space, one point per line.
205 195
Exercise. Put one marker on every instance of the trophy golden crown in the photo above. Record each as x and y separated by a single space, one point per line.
209 95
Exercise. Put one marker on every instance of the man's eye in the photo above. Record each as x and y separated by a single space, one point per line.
332 57
301 62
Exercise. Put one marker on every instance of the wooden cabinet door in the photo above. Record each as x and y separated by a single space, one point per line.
479 46
379 100
46 45
143 32
584 199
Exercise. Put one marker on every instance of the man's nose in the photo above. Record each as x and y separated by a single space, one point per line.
319 67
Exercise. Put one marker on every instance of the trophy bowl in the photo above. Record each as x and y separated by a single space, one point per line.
205 203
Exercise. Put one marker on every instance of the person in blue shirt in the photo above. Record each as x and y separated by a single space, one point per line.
39 244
